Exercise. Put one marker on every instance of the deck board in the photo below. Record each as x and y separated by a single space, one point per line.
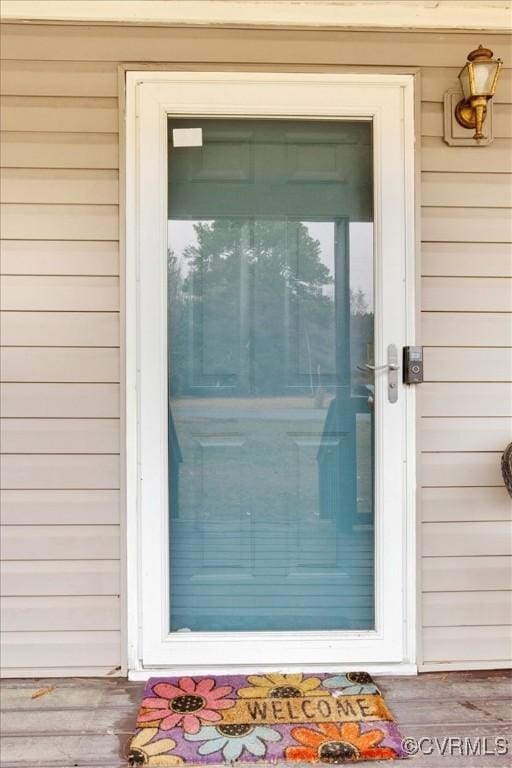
88 722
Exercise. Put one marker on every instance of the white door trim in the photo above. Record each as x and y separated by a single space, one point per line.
150 98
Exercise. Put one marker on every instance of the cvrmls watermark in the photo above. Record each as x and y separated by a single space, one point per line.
455 745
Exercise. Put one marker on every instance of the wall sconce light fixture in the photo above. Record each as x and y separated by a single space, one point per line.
478 79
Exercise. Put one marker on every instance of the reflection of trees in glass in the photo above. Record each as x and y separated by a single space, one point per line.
250 312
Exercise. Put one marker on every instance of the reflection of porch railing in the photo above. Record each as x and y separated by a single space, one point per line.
175 459
337 460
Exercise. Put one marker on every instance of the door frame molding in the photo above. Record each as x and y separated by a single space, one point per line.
141 453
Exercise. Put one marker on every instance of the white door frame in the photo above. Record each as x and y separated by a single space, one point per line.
151 97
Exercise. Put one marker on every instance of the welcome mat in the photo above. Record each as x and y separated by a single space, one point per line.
272 718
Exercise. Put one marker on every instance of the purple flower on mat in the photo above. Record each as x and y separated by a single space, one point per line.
233 738
353 683
186 704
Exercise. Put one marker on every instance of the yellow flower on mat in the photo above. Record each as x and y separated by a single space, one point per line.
277 686
144 753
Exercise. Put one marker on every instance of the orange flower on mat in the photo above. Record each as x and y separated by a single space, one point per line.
338 744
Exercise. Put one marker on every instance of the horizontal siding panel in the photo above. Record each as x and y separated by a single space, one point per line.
59 257
473 399
31 650
435 81
466 259
74 613
96 401
450 469
57 293
68 364
459 504
453 609
59 471
460 539
465 504
60 436
477 225
141 43
459 294
82 78
60 507
485 329
438 156
60 114
50 78
453 364
53 542
468 190
59 185
440 574
465 434
61 577
59 150
54 222
446 644
59 329
432 119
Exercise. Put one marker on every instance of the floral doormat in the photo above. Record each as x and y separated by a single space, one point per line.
269 718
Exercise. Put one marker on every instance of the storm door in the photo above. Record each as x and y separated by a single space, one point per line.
271 323
272 248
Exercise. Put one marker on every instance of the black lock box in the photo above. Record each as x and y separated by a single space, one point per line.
413 365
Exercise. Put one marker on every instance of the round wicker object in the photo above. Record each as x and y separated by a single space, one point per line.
506 468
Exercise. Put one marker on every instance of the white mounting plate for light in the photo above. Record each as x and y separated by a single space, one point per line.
457 136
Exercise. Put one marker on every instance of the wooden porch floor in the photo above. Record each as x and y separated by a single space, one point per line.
88 722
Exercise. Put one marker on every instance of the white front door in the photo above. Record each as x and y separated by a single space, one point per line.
269 241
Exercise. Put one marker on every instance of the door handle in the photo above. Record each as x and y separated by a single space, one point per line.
392 367
387 366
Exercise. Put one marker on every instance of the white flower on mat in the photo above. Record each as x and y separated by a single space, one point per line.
233 738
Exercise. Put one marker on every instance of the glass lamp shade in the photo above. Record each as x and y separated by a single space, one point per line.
485 77
480 74
465 82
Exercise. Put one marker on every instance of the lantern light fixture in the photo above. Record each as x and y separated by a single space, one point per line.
478 79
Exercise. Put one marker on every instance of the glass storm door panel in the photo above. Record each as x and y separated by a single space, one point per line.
270 417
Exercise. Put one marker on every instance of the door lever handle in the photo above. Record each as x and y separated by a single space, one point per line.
392 367
387 366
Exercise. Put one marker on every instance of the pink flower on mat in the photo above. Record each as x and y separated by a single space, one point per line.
187 703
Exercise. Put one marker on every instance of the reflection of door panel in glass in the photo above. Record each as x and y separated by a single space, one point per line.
270 312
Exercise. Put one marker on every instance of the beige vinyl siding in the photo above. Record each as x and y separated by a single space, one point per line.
58 114
61 150
59 185
60 367
466 268
61 295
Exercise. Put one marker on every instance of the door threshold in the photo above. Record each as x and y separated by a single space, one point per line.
144 673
